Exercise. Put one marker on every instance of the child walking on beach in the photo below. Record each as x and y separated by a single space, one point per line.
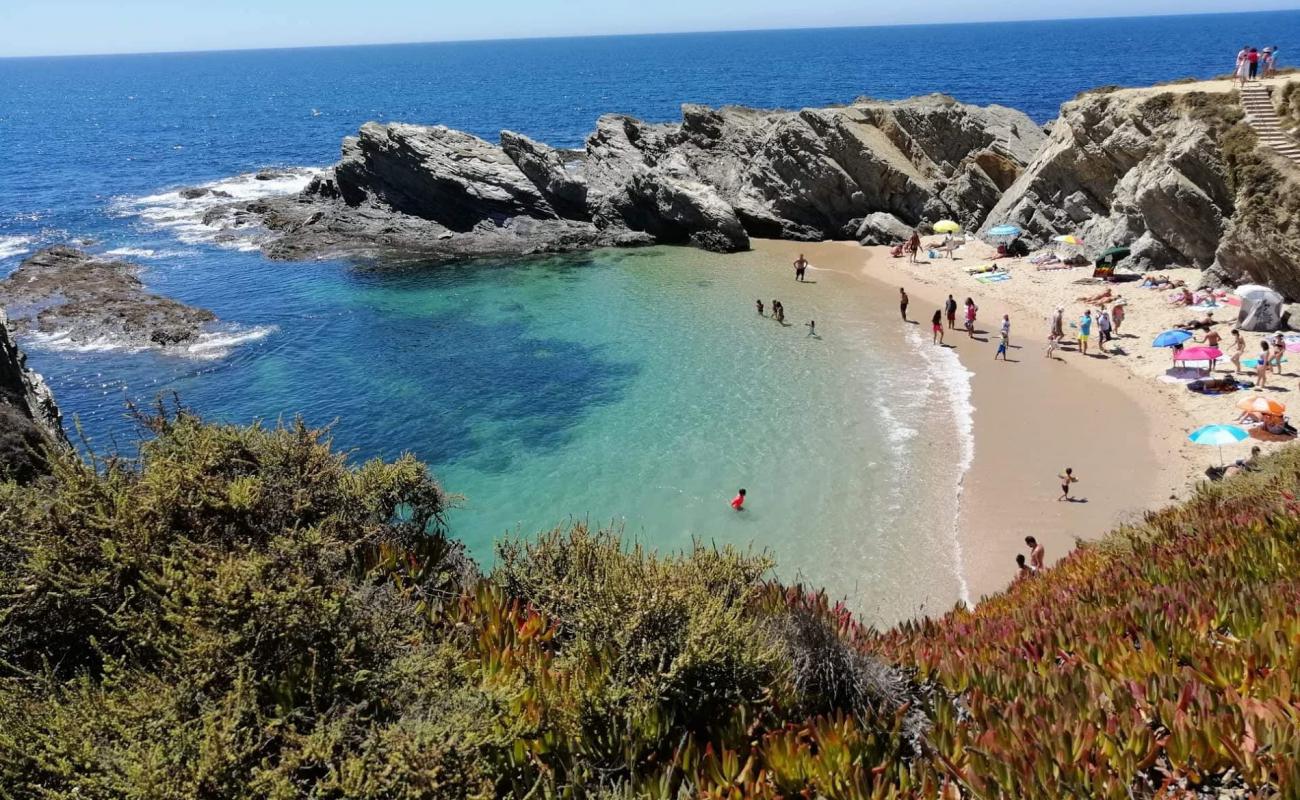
1067 478
1002 346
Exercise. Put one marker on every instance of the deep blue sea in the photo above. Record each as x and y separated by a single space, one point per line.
610 385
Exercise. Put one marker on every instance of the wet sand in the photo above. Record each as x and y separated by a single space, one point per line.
1033 417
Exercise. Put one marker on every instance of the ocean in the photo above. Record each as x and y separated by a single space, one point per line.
637 389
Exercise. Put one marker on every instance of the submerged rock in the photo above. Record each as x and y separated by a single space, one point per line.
85 299
29 418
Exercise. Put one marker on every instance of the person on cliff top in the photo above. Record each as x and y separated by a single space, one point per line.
950 308
1085 330
936 323
1037 554
738 502
1253 59
1023 570
1242 68
1270 62
759 305
902 302
1067 478
800 267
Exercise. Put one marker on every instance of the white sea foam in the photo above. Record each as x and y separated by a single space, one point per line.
210 346
144 252
951 384
183 216
11 246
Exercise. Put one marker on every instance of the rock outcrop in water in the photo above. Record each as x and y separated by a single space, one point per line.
712 180
29 418
1174 173
85 299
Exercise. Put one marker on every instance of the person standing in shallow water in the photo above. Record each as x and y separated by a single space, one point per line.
759 305
902 303
800 267
738 502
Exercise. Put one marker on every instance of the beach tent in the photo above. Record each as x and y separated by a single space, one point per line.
1261 308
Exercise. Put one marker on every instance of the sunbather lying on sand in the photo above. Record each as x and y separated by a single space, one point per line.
1096 299
1199 324
1182 297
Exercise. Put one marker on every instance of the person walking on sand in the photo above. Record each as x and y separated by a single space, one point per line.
1002 345
800 267
759 305
1067 478
1212 339
1052 342
1279 352
971 311
1036 553
1261 366
950 308
738 502
1117 315
1235 350
1006 328
914 248
812 327
902 302
1085 330
936 322
1058 323
1103 329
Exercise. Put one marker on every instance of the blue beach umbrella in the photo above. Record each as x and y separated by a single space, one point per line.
1004 230
1218 436
1172 338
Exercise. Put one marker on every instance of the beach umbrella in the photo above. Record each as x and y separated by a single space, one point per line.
1261 405
1069 238
1253 290
1218 436
1172 338
946 226
1113 255
1200 354
1004 230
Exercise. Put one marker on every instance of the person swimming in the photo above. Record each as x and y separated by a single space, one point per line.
738 502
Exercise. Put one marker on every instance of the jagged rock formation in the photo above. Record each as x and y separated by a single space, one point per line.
29 418
713 180
86 299
1175 174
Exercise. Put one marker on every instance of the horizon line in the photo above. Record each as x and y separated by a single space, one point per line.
561 37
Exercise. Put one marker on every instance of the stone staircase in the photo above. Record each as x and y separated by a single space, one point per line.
1261 116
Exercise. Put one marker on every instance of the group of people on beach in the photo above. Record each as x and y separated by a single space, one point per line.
1253 63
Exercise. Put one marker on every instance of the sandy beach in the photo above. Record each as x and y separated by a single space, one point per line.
1115 418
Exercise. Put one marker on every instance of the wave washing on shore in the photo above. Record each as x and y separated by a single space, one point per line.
11 246
208 346
183 216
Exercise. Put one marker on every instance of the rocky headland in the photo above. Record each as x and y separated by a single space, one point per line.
1176 173
869 170
86 300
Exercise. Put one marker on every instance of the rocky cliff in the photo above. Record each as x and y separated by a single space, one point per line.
29 418
868 170
1176 174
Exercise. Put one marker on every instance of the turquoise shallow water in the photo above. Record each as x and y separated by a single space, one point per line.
638 389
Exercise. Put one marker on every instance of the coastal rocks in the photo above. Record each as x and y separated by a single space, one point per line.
712 181
1132 168
66 293
882 228
29 418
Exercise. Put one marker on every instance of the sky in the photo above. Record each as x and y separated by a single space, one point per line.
67 27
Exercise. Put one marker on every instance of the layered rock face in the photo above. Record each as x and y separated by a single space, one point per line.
29 419
1175 175
712 181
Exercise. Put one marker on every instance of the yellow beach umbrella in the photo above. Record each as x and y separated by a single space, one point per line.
1262 405
1069 239
946 226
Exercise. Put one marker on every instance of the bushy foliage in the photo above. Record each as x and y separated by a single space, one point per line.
238 612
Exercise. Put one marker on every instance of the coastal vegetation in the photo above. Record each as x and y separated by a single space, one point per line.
241 612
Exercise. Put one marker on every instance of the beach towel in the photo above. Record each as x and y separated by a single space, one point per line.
1251 363
1047 267
993 277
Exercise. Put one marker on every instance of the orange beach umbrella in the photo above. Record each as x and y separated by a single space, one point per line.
1261 405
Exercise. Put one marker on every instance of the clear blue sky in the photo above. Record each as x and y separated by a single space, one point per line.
60 27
